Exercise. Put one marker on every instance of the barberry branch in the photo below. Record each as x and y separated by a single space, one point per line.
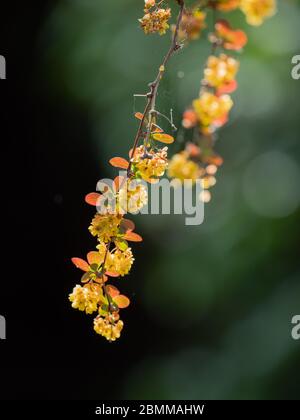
151 96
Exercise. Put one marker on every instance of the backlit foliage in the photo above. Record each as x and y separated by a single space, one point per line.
148 158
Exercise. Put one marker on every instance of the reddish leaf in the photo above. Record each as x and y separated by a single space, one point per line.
92 198
122 301
94 257
119 162
127 225
227 88
112 290
138 115
112 273
80 263
163 138
132 236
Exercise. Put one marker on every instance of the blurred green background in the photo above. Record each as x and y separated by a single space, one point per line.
211 305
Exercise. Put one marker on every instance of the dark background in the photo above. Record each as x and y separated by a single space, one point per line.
211 308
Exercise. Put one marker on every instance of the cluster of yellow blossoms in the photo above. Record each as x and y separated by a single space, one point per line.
155 18
192 24
114 257
256 11
210 110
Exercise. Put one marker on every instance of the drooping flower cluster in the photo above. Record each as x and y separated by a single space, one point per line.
155 19
256 11
192 24
211 109
148 161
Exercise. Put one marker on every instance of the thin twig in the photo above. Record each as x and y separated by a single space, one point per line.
151 96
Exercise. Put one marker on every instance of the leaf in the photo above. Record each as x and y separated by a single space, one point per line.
121 244
127 224
132 236
227 88
85 278
80 263
112 273
112 290
139 115
122 301
92 198
163 138
119 162
94 257
94 267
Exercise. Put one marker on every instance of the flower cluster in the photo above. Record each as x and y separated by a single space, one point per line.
192 24
256 11
114 258
148 159
155 19
211 109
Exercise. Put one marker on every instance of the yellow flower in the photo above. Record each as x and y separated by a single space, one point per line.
120 261
257 11
210 108
191 25
133 197
220 70
105 226
181 167
111 331
156 21
85 298
151 166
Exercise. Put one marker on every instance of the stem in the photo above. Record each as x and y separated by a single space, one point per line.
150 105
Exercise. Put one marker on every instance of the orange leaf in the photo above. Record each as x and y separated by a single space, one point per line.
122 301
80 263
227 88
94 257
119 162
127 225
92 198
112 290
112 273
139 115
132 236
156 128
163 138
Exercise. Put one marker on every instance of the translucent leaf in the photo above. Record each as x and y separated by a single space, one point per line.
119 162
94 267
85 278
92 198
112 290
138 115
112 273
163 138
122 301
94 257
80 263
127 224
133 237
